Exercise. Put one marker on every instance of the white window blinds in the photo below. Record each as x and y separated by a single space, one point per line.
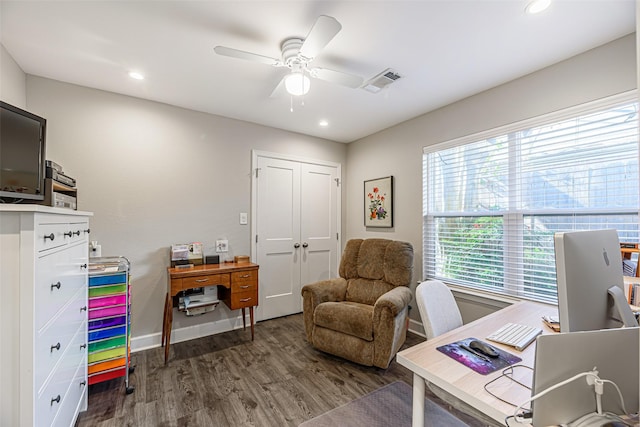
492 205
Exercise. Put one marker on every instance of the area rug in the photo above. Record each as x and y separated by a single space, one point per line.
388 406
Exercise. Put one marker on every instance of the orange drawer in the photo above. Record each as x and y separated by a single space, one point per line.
244 299
206 280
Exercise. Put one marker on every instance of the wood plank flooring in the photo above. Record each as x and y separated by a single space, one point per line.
228 380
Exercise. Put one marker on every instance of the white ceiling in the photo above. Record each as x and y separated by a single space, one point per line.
445 50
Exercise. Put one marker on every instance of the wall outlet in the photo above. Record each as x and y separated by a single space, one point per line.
222 246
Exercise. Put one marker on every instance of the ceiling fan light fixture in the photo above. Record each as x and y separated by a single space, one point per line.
537 6
297 83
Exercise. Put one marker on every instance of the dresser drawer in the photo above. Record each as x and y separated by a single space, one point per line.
53 341
72 401
58 389
243 299
59 275
53 232
208 280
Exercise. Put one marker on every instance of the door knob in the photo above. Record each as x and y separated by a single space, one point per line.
297 245
305 245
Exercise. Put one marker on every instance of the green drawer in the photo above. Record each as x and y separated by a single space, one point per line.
107 344
107 290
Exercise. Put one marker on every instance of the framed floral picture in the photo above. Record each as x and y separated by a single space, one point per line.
378 202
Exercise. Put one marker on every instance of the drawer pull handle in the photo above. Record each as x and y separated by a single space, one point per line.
83 265
245 299
56 285
55 347
55 400
244 287
77 233
83 308
206 279
88 230
69 233
50 236
83 346
246 276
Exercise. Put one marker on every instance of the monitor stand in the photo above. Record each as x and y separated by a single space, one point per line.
593 420
621 307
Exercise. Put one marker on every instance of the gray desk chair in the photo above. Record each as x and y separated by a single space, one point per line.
438 309
440 314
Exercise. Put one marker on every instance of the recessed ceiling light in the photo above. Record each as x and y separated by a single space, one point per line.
537 6
323 123
136 75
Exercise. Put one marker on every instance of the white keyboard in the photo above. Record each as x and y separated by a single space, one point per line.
515 335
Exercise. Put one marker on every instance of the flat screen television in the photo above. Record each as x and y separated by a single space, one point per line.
22 154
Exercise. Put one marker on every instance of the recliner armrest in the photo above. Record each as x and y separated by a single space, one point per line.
395 300
316 293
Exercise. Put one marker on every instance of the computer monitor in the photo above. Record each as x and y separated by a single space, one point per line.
590 283
612 352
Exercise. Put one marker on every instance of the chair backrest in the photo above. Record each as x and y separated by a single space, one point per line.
375 266
438 309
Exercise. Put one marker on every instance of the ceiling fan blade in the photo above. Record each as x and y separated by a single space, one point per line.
322 32
235 53
338 77
279 90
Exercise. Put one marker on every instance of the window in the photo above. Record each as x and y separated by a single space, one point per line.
492 202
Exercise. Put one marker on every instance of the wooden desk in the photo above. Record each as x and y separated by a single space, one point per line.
237 287
431 365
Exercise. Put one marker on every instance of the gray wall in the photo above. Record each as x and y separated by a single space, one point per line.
154 175
397 151
13 81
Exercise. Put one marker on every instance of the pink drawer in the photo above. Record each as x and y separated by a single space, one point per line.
107 312
107 301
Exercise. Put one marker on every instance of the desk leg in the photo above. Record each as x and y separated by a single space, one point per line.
251 318
418 401
167 340
244 320
164 319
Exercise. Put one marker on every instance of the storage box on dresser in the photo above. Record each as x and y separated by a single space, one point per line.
43 315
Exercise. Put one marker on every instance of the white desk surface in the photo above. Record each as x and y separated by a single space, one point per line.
466 384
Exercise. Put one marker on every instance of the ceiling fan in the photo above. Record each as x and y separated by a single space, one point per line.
297 55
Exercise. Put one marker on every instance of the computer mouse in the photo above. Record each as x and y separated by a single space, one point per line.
483 348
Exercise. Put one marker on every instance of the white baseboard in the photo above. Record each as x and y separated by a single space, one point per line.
416 327
146 342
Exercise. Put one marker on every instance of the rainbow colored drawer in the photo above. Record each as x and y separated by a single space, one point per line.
109 328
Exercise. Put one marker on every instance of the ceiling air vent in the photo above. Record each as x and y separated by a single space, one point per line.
382 80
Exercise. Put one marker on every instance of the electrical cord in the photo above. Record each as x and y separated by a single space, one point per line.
592 379
520 418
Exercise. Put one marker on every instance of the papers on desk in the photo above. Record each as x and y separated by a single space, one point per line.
460 352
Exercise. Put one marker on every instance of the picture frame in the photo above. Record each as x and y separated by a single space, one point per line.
378 202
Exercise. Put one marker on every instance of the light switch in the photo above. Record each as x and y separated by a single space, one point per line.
243 218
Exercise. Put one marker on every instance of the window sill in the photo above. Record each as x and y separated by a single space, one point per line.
490 299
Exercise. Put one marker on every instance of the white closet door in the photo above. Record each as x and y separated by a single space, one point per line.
319 227
296 223
278 225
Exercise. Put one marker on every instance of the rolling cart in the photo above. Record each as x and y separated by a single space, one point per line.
109 329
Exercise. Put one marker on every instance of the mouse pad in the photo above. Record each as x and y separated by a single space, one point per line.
477 363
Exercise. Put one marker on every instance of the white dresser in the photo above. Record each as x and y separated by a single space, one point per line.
43 315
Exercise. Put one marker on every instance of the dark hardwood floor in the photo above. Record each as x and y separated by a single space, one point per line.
228 380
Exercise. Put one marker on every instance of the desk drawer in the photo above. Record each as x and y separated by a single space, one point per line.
208 280
244 299
244 281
